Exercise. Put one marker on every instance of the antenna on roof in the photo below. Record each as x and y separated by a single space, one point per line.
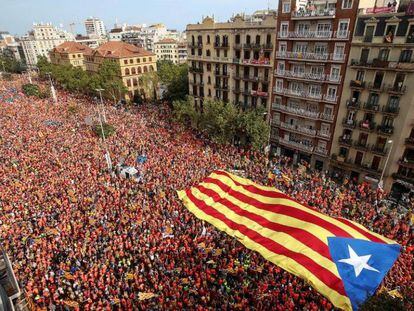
268 5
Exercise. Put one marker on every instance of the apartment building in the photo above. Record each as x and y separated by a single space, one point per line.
133 62
41 40
232 61
95 26
312 49
70 53
171 50
376 115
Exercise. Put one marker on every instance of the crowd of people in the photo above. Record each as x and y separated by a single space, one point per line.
84 239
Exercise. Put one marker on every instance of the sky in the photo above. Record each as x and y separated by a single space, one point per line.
17 16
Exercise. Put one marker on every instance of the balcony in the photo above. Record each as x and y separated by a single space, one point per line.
195 45
357 84
308 76
378 64
367 125
326 117
296 145
349 123
375 87
259 93
391 109
306 35
221 74
252 46
255 62
381 150
361 145
296 111
321 151
330 98
407 176
350 104
303 56
324 134
345 141
268 46
196 70
396 89
236 90
337 57
298 129
223 45
406 162
313 14
298 93
373 107
385 129
409 141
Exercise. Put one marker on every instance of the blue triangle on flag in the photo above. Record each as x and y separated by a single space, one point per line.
361 265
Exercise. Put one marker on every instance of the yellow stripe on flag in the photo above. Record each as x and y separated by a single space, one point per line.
284 262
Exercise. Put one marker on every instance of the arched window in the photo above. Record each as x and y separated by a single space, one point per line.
269 39
217 41
192 40
133 71
139 70
126 71
208 53
135 82
257 39
200 40
145 69
248 39
208 39
151 68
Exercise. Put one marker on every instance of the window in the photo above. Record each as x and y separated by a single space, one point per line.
282 47
208 39
343 28
131 61
237 39
126 71
133 71
331 94
346 4
125 62
405 56
383 54
335 73
321 48
284 29
248 39
128 81
360 75
300 47
279 85
208 53
281 67
286 7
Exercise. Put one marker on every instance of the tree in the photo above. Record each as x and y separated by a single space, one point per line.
222 122
175 79
149 82
109 80
108 129
11 65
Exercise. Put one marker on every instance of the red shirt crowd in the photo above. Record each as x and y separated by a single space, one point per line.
79 237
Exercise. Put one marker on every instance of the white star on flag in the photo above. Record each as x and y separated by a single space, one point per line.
358 262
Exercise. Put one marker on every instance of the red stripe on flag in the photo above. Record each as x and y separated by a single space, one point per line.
301 235
281 209
275 194
323 274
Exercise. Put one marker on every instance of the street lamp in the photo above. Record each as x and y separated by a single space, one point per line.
52 88
381 182
107 154
102 105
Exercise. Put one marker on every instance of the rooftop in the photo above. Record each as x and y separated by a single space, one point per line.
166 40
118 49
72 47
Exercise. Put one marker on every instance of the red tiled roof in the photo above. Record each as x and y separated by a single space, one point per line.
72 47
166 40
118 49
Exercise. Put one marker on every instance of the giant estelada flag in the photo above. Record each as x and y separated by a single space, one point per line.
341 259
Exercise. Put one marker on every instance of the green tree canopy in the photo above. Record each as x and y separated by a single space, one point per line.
224 121
175 78
11 65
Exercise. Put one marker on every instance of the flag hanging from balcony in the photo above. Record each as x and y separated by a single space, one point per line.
341 259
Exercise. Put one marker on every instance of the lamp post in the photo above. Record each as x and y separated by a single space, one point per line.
102 105
52 88
4 68
381 182
107 154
